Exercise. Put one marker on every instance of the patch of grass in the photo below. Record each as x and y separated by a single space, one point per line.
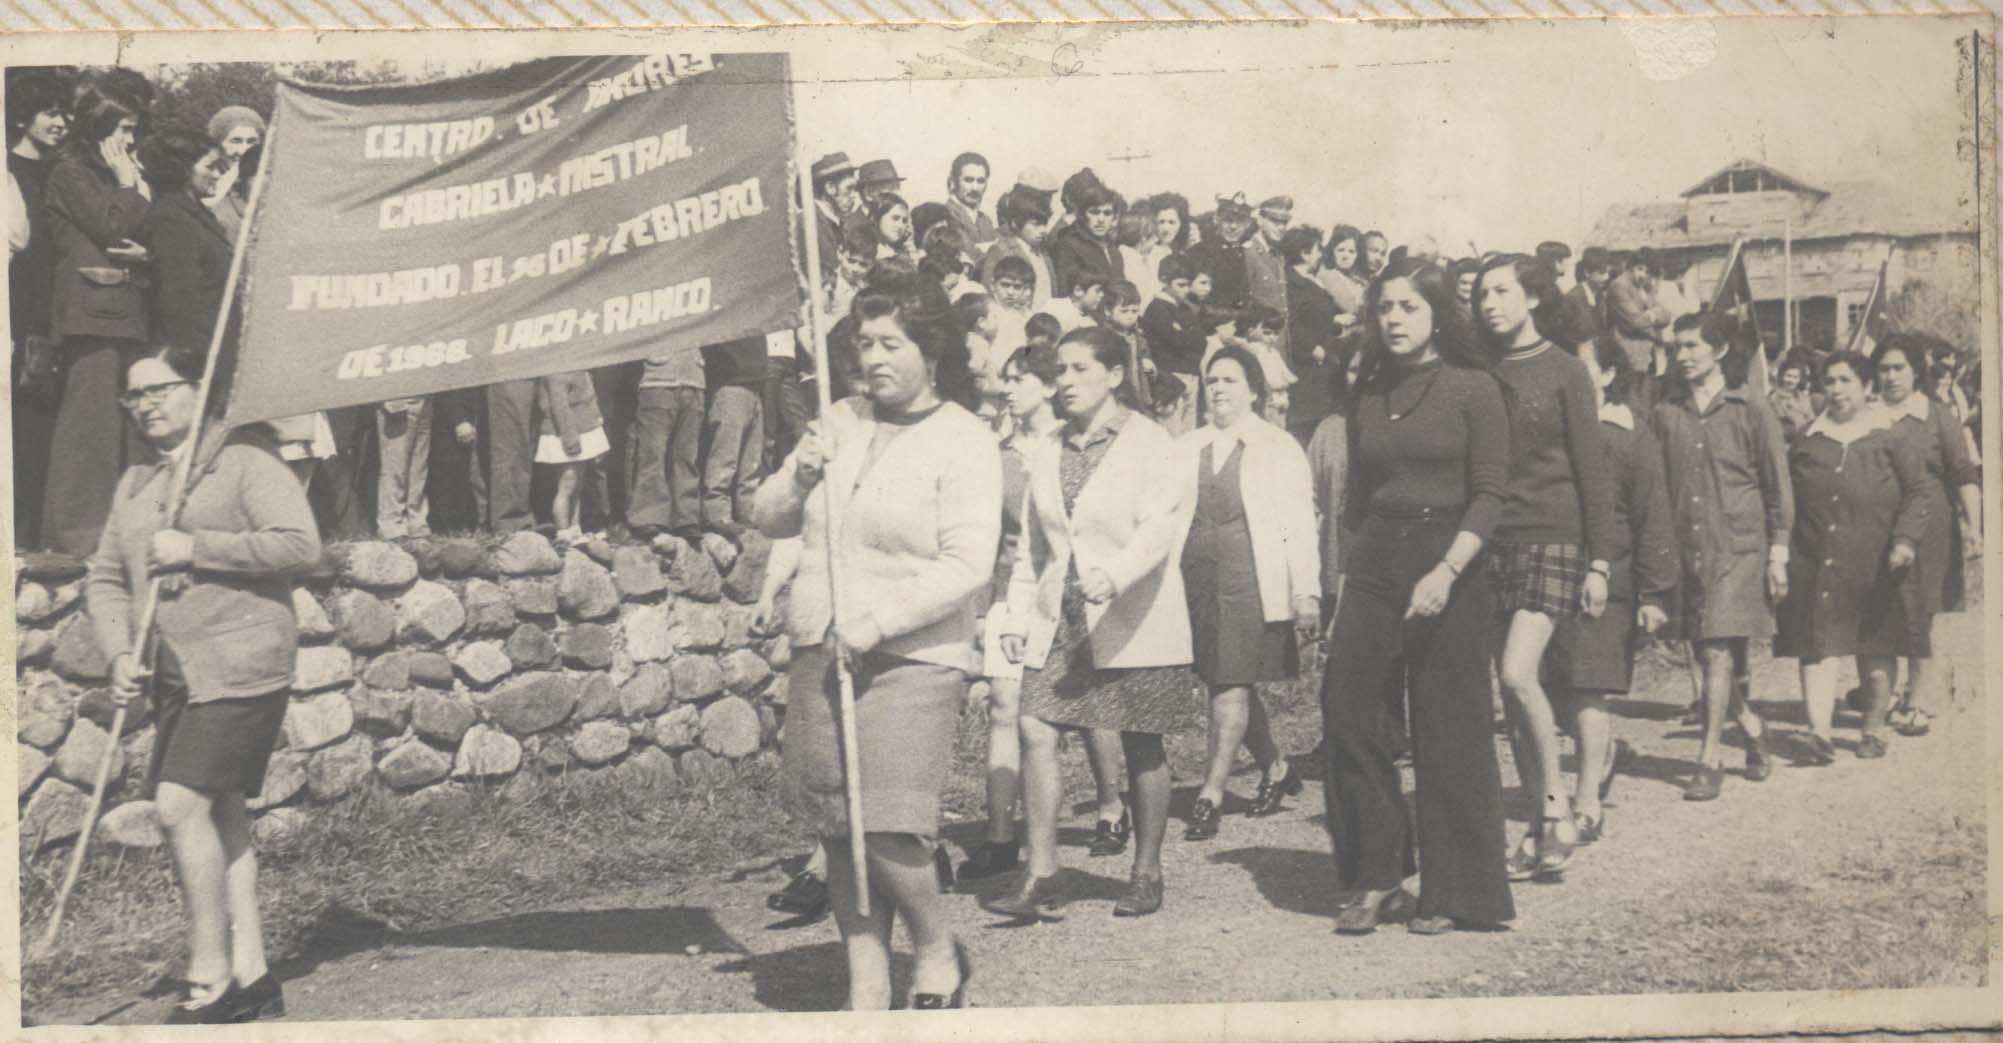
374 857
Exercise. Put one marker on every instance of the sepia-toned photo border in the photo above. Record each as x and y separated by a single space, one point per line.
49 40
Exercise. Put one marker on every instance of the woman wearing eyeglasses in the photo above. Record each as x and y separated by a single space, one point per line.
221 659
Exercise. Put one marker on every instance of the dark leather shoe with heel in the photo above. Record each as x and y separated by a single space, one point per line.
1143 897
1204 819
1110 838
1271 792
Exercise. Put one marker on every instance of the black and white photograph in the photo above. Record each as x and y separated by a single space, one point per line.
1307 530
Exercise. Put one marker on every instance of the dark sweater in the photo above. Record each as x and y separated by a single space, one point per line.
1449 451
28 275
1560 485
1175 337
1642 556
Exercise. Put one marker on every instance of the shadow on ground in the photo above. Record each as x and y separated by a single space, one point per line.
662 931
1293 879
810 977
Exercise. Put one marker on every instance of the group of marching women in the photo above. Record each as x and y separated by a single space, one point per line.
1499 492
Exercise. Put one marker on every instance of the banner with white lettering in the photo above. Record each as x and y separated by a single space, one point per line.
557 215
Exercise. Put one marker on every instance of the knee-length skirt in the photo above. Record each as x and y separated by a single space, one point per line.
906 716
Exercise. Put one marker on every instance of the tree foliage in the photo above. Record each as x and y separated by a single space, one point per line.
1952 313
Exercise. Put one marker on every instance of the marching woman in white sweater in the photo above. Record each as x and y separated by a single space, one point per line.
917 489
1093 575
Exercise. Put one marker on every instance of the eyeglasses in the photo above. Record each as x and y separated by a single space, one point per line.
134 398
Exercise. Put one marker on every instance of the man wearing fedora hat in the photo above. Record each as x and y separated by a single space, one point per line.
834 199
878 178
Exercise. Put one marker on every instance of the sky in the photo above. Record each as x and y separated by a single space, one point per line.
1496 134
1502 134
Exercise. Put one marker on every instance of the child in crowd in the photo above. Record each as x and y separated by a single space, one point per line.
1174 334
1121 313
1087 294
572 435
1262 325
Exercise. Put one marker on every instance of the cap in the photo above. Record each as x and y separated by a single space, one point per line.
834 164
1278 208
1039 179
230 117
1234 206
879 172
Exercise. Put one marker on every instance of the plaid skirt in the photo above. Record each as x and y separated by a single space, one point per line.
1537 577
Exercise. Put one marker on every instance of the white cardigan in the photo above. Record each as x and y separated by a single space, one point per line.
1128 520
918 532
1277 486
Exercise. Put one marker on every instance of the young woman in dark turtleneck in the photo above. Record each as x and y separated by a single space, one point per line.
1548 561
1429 453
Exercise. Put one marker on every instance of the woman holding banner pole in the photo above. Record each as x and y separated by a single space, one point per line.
222 662
917 517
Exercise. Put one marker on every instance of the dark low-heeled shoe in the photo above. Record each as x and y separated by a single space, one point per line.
1031 898
1871 747
1362 914
260 999
1271 793
958 999
1144 894
1110 838
1821 752
1705 784
1204 820
991 859
804 895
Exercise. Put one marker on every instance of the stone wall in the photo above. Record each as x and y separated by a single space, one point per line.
432 664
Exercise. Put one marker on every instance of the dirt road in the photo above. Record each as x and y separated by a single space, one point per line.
1864 874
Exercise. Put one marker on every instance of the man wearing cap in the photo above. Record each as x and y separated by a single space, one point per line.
834 199
1265 269
966 185
1223 257
878 178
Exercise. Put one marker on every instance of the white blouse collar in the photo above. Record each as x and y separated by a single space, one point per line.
1916 405
1617 414
1873 417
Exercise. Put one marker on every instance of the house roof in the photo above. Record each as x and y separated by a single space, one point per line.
1850 208
1793 183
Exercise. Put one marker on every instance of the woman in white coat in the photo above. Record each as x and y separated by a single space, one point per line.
1251 574
1094 585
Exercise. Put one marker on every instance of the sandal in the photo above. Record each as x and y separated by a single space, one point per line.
1589 829
1910 722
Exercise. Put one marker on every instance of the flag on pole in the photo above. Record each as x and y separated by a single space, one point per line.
1734 297
556 215
1874 311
